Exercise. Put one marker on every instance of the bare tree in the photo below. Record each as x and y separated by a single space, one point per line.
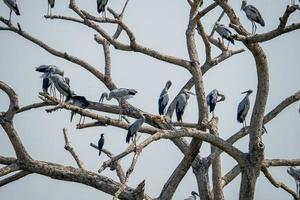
249 164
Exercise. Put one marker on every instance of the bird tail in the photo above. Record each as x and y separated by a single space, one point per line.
212 107
262 22
231 40
17 11
100 9
128 136
179 115
72 115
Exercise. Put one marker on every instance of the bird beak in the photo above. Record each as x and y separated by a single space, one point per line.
244 92
222 97
191 93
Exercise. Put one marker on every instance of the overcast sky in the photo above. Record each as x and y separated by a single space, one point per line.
161 25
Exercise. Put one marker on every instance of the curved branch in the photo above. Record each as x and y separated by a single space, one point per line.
13 178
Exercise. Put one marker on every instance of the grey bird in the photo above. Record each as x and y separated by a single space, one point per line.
164 98
101 143
101 4
181 104
60 84
213 98
81 102
253 15
120 94
45 69
224 32
243 108
295 173
51 4
12 4
134 128
193 197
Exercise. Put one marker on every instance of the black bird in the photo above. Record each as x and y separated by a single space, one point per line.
81 102
243 108
212 100
134 128
101 143
164 99
13 6
253 15
295 173
181 104
224 32
101 4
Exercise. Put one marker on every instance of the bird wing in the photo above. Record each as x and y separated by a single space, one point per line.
254 14
64 86
163 101
46 84
129 134
243 108
12 4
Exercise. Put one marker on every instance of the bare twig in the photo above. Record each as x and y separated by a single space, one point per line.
13 178
70 149
278 184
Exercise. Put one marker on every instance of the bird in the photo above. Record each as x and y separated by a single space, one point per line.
101 143
224 32
164 98
60 84
120 94
45 69
295 173
81 102
13 6
51 4
181 103
193 197
243 108
134 128
253 15
212 100
101 4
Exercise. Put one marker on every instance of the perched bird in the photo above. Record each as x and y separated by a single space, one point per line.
212 100
12 4
101 143
224 32
193 197
51 4
120 94
81 102
101 4
60 84
45 69
295 173
164 99
253 15
181 104
134 128
243 108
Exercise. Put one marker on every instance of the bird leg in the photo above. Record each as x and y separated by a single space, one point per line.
213 114
80 120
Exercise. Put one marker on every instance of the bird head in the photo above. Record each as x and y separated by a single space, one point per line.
195 193
244 3
247 92
104 95
168 84
102 134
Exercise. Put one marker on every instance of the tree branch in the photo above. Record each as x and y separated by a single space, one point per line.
13 178
278 184
70 149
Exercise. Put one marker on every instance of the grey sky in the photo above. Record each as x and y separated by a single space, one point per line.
161 25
